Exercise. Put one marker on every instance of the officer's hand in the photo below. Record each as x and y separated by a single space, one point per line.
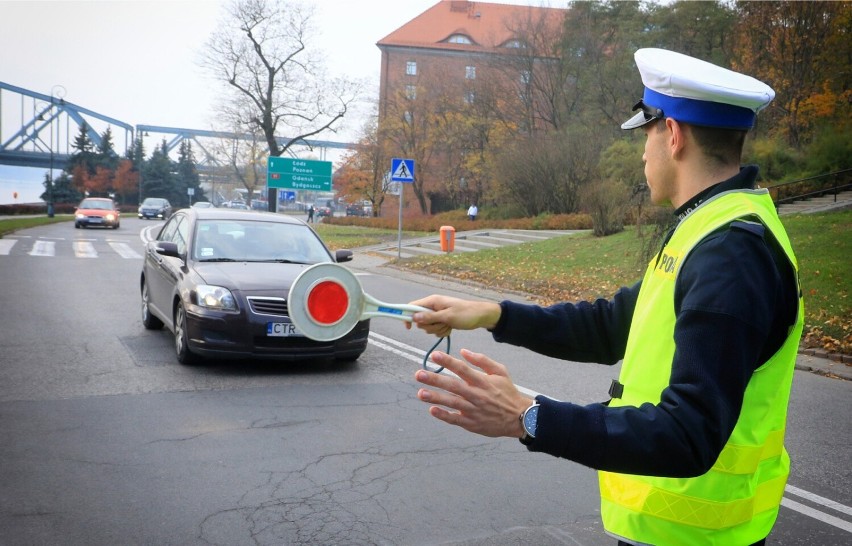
485 403
448 313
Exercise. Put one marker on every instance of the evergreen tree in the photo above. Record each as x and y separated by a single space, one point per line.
105 154
136 154
63 190
159 177
187 173
84 155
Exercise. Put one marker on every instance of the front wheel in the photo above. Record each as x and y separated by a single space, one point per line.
149 321
184 355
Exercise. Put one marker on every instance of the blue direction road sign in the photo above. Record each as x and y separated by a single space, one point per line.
298 174
402 170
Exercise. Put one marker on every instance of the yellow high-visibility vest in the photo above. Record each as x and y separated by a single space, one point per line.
736 502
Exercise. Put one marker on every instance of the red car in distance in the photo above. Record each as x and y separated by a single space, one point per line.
97 211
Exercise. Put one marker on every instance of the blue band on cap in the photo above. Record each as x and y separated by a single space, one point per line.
701 112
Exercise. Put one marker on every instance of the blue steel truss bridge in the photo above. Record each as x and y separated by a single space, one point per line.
38 130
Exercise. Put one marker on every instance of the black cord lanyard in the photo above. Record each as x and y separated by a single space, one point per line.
429 352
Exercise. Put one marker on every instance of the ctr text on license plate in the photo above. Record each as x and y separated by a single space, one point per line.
282 329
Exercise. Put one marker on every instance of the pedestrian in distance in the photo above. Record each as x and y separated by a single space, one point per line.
310 214
689 447
472 212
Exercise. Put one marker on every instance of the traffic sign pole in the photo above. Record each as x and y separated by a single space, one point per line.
399 225
402 170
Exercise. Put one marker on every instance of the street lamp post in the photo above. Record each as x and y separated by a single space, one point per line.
57 91
50 173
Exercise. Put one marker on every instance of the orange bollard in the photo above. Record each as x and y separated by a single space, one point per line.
448 238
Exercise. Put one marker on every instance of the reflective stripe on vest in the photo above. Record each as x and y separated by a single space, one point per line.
640 496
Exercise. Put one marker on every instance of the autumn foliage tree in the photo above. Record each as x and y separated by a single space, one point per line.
532 139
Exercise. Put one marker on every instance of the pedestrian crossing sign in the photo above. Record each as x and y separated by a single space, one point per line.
402 170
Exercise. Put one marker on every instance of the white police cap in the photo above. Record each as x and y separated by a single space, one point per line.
697 92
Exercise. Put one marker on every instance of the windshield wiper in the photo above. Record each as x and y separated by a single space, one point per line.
219 260
277 261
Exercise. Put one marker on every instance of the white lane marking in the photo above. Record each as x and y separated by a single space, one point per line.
528 392
43 248
125 251
405 351
84 249
816 514
6 245
816 499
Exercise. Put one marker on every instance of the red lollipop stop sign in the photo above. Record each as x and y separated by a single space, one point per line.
326 301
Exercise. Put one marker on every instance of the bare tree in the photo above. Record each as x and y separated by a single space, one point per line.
535 72
262 52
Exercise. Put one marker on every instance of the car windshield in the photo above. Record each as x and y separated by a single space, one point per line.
153 203
257 241
95 204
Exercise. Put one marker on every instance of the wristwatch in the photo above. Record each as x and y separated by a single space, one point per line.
529 420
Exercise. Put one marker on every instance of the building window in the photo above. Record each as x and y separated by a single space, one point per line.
469 97
515 44
525 77
411 68
407 117
470 72
459 39
411 92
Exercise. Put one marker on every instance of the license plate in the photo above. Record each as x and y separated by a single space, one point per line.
282 329
96 220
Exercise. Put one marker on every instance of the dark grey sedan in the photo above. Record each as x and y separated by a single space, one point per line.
218 279
155 207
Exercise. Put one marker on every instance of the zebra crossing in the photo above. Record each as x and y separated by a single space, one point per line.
78 248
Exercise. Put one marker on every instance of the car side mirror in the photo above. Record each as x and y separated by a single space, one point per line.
343 255
167 248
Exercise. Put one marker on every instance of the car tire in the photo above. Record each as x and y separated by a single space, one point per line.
184 355
76 225
149 321
347 358
115 226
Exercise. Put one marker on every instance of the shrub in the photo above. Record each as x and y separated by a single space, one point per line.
460 221
606 202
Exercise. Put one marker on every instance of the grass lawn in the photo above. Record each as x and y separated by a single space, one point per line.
337 237
10 224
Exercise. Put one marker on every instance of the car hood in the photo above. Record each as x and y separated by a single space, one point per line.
250 276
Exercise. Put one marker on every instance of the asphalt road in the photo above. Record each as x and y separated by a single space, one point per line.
107 440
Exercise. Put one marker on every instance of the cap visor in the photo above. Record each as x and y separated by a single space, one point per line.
636 121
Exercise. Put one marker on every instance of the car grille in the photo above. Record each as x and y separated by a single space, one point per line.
268 306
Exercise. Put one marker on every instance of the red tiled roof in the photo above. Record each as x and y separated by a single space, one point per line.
487 25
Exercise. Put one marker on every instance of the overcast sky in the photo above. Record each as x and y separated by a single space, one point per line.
137 60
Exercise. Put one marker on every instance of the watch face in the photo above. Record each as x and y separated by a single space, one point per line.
531 420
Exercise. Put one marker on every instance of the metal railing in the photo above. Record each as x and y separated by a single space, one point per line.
813 186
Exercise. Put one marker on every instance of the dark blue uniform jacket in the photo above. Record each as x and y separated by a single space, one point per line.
735 300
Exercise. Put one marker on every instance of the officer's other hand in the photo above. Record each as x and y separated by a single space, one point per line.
485 402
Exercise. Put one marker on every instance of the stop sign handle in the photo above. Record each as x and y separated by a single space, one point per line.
400 311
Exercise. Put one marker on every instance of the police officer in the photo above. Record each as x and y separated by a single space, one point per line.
689 447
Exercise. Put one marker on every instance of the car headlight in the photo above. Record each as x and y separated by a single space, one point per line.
80 215
215 297
110 217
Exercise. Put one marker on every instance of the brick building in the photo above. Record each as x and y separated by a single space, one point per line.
457 39
460 50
